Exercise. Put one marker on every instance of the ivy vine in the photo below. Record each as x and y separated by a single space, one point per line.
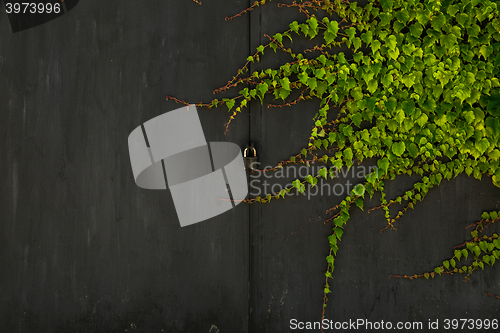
417 93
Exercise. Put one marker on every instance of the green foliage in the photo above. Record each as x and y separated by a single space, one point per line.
482 250
418 92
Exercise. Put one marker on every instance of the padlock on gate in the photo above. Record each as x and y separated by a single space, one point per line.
250 157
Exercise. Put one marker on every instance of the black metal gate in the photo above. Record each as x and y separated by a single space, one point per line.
83 249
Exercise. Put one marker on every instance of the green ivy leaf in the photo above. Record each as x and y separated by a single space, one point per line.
385 18
321 88
493 124
474 3
387 4
348 156
357 119
351 32
360 203
485 51
409 80
230 104
323 172
311 180
312 83
473 30
448 40
372 86
416 30
356 93
398 148
356 43
469 116
391 42
285 83
262 88
462 18
383 164
452 10
391 103
408 107
339 221
477 250
400 116
338 232
358 57
413 150
387 80
376 45
333 26
482 145
494 154
394 54
423 16
438 21
283 93
408 49
367 37
358 190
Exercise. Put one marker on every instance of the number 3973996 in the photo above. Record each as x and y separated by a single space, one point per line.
32 8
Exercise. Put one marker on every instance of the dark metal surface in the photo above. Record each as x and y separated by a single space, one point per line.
83 249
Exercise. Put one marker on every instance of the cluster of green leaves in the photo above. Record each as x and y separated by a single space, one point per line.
478 251
418 92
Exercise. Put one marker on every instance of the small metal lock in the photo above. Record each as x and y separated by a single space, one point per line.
250 157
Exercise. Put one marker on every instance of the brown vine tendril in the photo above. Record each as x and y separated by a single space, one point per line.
247 10
235 81
489 294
